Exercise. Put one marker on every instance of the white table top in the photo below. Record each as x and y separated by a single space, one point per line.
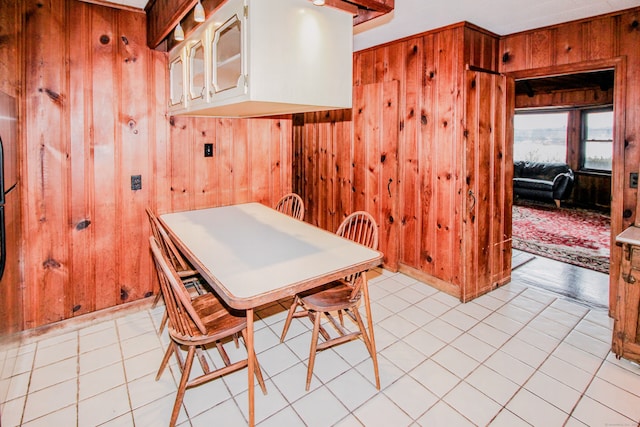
252 254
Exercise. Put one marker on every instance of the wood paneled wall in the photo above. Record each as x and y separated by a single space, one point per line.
429 69
93 100
581 45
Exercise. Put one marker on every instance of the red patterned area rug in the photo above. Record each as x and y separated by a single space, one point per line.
574 236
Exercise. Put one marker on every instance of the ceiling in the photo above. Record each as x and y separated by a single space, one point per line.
498 16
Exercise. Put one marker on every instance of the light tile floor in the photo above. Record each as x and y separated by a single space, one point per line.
515 357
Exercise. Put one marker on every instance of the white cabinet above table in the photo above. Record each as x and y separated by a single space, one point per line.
264 57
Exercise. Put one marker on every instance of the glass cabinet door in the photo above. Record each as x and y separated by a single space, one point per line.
196 71
227 55
176 82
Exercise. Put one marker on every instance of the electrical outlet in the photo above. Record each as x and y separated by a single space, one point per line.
633 180
136 182
208 150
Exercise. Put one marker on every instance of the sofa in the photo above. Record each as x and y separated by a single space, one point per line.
542 181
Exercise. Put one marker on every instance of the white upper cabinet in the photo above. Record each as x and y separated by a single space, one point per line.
176 87
264 57
196 73
228 53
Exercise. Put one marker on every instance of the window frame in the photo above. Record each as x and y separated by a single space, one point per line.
554 110
583 135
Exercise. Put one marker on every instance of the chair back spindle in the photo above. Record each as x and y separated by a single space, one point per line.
291 204
359 227
177 298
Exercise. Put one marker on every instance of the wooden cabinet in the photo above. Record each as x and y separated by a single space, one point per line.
626 329
258 58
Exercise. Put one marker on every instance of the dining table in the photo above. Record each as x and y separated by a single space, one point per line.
252 255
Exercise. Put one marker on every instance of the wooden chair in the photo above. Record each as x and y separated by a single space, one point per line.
341 297
195 323
291 204
188 275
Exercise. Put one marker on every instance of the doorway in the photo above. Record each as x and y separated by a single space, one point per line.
577 88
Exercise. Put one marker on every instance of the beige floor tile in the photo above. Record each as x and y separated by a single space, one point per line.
50 399
435 378
98 381
54 353
64 417
286 417
593 413
225 414
411 396
54 373
104 407
12 411
443 415
424 380
615 398
99 358
381 411
535 410
352 389
558 394
492 384
472 404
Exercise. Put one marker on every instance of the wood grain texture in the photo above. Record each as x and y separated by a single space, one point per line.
95 115
427 194
10 54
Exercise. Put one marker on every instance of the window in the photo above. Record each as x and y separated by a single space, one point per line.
597 139
540 137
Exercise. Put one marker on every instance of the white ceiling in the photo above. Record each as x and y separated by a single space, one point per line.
498 16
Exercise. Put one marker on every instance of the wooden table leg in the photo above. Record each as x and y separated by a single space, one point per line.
367 306
251 368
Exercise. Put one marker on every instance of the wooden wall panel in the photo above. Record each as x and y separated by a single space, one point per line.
568 43
10 54
44 173
351 163
94 115
80 272
486 210
429 71
412 52
132 144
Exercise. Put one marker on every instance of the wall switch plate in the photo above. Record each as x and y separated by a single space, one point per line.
208 150
633 180
136 182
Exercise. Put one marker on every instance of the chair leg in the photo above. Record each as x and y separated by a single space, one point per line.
312 351
165 360
370 343
163 323
156 300
203 360
257 370
182 387
287 322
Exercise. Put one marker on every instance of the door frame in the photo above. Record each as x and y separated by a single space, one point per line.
617 172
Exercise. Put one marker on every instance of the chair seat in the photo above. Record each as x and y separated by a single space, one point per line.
331 297
216 317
